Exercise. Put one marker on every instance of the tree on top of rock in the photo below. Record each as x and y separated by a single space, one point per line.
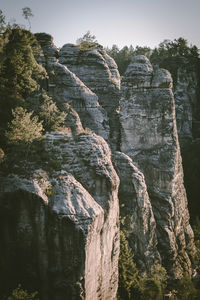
87 42
27 13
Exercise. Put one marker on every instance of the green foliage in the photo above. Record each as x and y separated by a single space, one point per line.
49 113
122 57
177 47
20 294
20 73
23 128
86 46
185 289
128 273
152 289
166 49
87 42
87 37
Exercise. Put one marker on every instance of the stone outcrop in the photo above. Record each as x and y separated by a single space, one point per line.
136 213
65 87
149 137
99 72
60 221
59 215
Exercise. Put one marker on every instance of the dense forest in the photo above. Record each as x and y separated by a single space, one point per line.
27 112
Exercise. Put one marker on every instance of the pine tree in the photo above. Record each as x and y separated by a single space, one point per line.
128 272
24 128
20 74
49 113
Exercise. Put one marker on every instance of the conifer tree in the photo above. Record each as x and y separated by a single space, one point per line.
23 128
49 113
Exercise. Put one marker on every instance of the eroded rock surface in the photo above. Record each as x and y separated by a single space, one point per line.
136 213
149 137
65 87
99 72
60 222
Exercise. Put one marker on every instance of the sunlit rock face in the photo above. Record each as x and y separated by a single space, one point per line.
136 213
59 222
99 72
149 137
65 87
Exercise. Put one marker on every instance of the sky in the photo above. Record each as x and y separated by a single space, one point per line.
120 22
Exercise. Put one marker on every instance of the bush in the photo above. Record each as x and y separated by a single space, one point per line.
86 46
20 294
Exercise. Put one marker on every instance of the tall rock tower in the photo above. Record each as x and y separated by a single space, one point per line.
149 137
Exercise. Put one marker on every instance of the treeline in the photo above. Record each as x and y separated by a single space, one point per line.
166 49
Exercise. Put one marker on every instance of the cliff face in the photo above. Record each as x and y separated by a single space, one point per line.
65 87
60 217
136 213
149 137
60 229
99 72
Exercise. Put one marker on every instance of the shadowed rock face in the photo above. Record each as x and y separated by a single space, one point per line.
136 210
60 229
186 94
149 137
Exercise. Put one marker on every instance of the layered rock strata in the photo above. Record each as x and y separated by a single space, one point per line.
65 87
149 137
59 221
99 72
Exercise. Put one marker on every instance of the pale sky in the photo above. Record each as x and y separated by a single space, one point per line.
121 22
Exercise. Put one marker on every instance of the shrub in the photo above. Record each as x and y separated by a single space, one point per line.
20 294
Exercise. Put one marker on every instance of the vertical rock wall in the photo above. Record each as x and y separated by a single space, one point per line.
149 137
60 229
136 213
99 72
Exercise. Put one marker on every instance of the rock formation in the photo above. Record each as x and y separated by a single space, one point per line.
59 215
136 213
60 221
65 87
99 72
149 137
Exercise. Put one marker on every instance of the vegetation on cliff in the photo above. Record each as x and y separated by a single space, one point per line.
27 111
